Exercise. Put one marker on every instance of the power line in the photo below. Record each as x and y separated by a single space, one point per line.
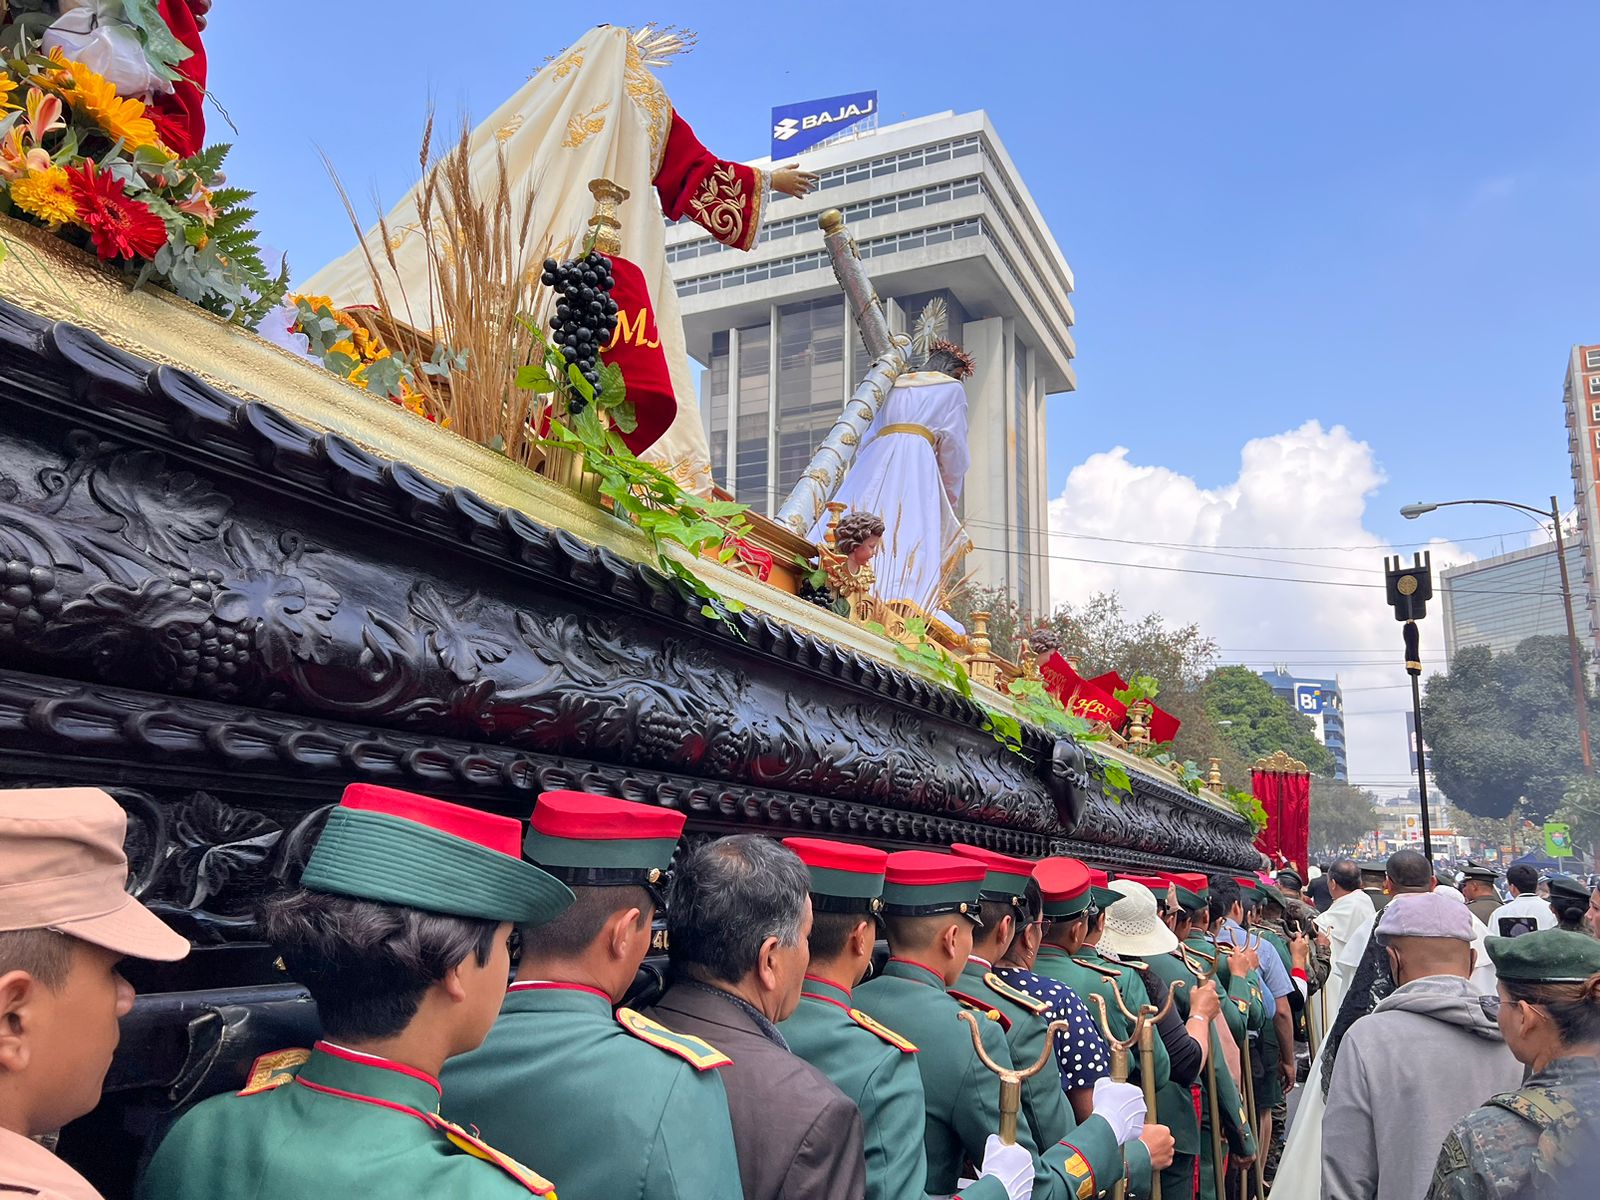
1348 583
1097 537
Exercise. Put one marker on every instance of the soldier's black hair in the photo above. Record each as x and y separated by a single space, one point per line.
1570 912
1224 895
831 930
571 933
366 963
1574 1007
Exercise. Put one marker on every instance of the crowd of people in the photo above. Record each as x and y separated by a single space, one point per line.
1038 1029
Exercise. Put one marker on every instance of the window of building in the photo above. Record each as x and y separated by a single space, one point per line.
1597 439
717 406
750 466
1594 385
811 383
1591 359
1594 412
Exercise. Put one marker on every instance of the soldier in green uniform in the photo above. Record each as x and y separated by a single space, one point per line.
1569 900
1477 885
560 1074
400 931
1135 929
1198 955
931 905
1544 1140
1020 1014
867 1061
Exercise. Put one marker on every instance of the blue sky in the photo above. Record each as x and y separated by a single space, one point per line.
1274 212
1376 216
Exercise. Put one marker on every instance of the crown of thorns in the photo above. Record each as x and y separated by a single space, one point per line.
963 364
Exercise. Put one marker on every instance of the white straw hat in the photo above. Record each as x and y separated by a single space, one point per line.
1133 927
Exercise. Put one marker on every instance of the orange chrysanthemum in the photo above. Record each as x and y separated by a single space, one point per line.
94 97
46 195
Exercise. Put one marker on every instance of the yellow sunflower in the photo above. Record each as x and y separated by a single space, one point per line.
46 195
96 98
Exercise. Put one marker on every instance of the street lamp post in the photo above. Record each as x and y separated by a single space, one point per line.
1579 693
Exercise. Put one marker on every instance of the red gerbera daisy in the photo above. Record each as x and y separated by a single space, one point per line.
120 225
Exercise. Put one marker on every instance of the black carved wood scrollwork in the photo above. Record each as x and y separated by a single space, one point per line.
203 579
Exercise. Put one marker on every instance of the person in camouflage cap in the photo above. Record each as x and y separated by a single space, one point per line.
1542 1141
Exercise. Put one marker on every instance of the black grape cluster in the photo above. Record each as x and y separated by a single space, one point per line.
585 316
29 597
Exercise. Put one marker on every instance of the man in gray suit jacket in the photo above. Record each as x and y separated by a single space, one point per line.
737 921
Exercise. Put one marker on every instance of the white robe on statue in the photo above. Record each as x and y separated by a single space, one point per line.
909 471
1348 924
596 112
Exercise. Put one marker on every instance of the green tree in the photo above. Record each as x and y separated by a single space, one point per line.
1255 721
1341 815
1502 728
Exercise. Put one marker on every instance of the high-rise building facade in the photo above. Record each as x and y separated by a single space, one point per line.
1323 701
1499 601
1581 396
938 210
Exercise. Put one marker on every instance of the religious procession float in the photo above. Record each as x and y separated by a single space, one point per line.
444 520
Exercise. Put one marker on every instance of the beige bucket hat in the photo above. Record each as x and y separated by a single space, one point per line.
62 867
1133 927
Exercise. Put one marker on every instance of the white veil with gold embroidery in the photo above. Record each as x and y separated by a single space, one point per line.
595 111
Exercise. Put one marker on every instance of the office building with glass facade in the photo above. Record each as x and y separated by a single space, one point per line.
1580 397
937 208
1323 701
1497 602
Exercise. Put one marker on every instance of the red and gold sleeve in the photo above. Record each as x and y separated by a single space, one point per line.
724 198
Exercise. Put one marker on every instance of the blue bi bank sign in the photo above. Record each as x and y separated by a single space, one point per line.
797 127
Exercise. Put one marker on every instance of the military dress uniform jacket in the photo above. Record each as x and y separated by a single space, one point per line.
334 1123
876 1068
1483 908
1537 1142
963 1095
798 1137
560 1076
1087 973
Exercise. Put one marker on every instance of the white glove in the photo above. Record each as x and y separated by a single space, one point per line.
1122 1105
1011 1165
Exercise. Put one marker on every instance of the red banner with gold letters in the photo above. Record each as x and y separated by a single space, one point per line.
1079 696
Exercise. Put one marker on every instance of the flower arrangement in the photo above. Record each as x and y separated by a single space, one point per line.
89 165
355 351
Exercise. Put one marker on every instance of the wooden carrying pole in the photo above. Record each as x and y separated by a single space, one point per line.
1011 1077
1119 1071
1198 964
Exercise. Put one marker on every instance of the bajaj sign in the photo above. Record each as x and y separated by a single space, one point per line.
797 127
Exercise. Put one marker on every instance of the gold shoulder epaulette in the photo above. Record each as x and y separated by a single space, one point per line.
701 1055
883 1031
1134 963
1016 995
978 1006
273 1070
1108 972
478 1148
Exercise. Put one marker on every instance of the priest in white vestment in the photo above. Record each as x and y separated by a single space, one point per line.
596 111
909 471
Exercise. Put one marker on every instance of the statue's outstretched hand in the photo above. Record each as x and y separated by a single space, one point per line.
792 181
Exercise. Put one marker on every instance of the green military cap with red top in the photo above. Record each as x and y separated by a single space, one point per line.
919 883
1100 893
1064 883
1005 879
397 847
586 840
845 877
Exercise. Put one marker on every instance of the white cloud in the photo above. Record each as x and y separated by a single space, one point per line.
1295 492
